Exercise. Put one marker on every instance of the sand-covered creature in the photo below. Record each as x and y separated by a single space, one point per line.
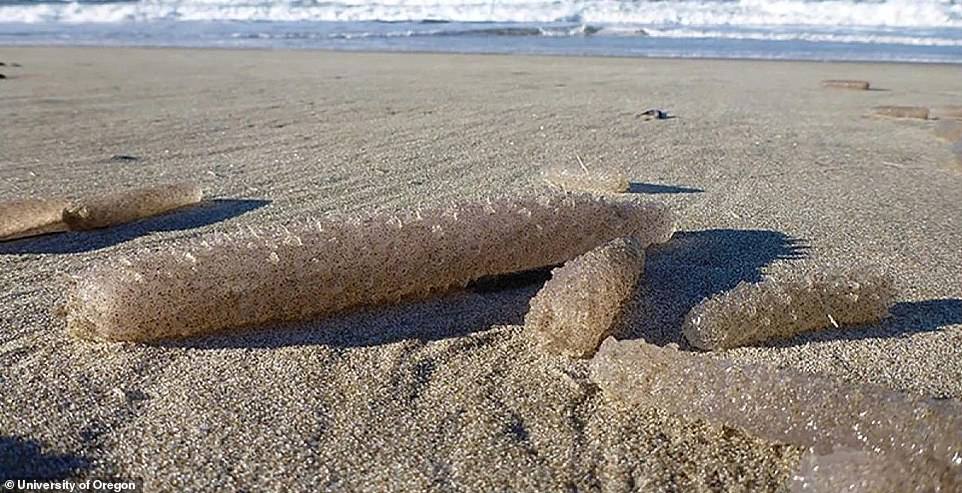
37 216
753 313
130 205
30 217
306 270
583 302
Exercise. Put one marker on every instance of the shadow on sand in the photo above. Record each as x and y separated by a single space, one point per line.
22 458
695 265
654 188
203 214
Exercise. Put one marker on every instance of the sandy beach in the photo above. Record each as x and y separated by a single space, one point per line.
768 172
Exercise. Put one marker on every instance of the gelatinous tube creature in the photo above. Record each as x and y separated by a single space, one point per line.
30 217
918 112
957 152
949 130
781 308
859 85
856 471
219 282
131 205
924 435
582 302
581 178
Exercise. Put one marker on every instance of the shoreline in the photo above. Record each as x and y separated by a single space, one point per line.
478 53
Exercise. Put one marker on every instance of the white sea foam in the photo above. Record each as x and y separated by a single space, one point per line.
802 35
828 13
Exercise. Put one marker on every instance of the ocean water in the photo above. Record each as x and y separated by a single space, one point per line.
864 30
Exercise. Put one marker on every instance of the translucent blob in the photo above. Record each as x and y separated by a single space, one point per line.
949 130
123 207
218 282
924 436
782 308
917 112
29 217
856 471
583 301
579 177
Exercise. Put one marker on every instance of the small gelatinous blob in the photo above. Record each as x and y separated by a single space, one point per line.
857 471
123 207
956 150
923 435
218 282
860 85
949 130
917 112
30 217
782 308
583 302
581 178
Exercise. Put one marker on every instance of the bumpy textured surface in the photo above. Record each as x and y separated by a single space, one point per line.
131 205
782 308
949 130
856 471
582 303
28 217
861 85
924 435
218 282
957 152
575 177
917 112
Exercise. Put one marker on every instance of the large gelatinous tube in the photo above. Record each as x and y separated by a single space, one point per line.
217 282
124 207
785 406
856 471
782 308
584 300
860 85
29 217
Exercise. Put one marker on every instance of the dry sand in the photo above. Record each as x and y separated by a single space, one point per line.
768 171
